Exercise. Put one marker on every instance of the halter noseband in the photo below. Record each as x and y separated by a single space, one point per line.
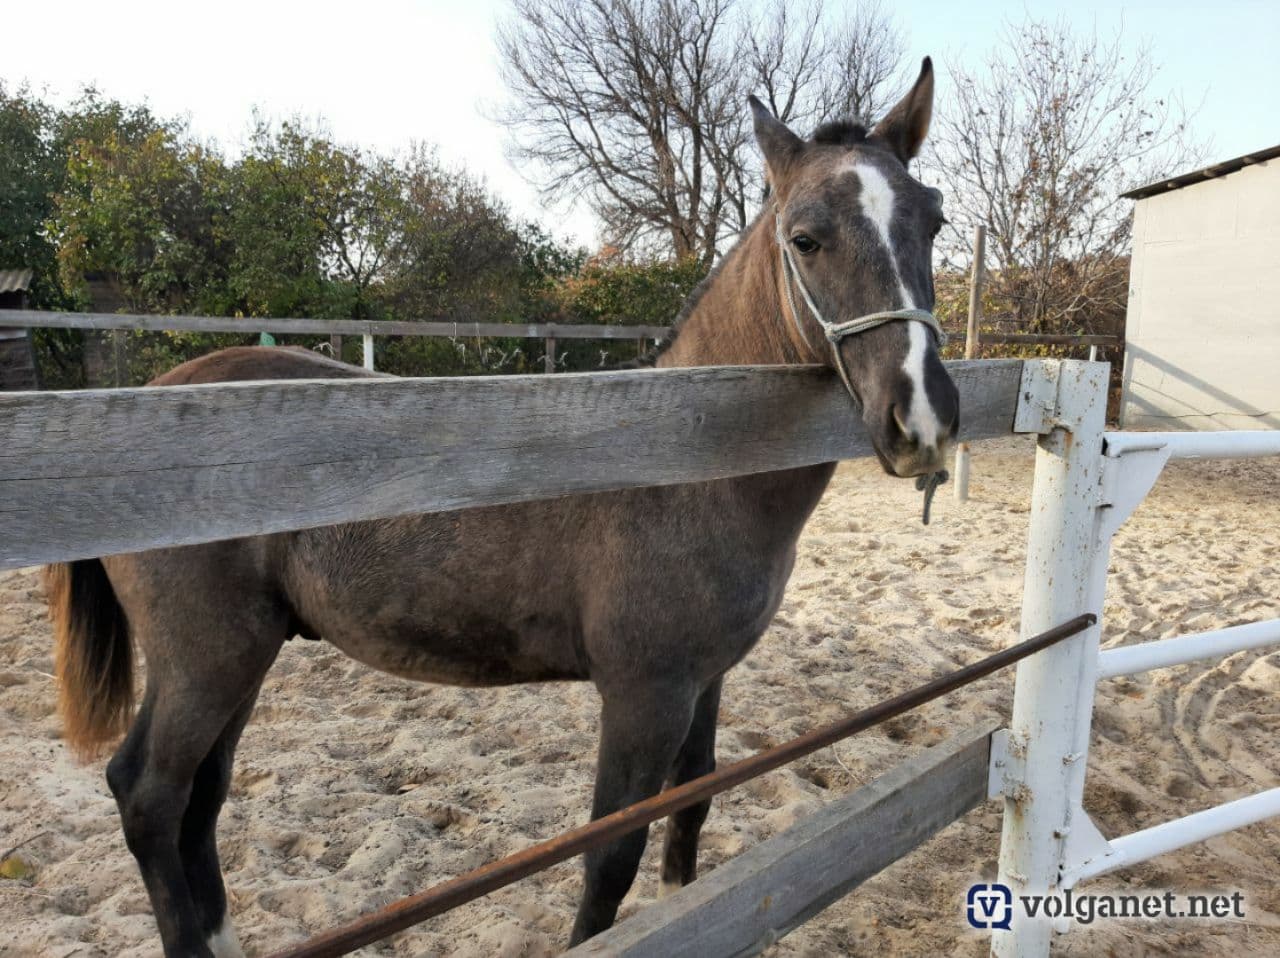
838 331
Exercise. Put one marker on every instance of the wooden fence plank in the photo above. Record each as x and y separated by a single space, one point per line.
750 902
1047 339
96 472
250 325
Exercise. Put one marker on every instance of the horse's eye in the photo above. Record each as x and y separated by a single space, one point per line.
804 245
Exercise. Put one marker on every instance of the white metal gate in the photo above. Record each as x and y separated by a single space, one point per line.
1087 483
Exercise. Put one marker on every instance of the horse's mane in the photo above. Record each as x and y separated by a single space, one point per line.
690 304
842 132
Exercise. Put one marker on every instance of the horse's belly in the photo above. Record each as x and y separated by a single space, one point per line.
476 652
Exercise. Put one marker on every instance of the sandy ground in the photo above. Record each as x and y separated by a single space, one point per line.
353 788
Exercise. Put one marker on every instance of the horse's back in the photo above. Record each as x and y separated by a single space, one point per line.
240 363
232 584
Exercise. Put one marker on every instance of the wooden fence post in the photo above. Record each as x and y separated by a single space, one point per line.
118 364
367 340
335 346
971 346
550 354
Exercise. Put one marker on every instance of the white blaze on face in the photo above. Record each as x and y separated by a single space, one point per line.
921 419
877 199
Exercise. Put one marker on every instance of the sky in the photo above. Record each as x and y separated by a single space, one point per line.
388 73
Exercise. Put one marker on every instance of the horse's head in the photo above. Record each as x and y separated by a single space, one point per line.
855 235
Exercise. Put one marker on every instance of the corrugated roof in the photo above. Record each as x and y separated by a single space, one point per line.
14 280
1199 176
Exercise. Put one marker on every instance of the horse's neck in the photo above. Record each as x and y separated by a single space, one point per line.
739 320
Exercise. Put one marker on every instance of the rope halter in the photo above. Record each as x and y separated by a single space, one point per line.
835 332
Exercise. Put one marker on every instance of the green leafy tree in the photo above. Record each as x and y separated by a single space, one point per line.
311 223
31 172
143 212
300 225
459 255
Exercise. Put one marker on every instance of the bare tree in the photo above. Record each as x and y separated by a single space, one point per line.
638 105
1038 143
864 71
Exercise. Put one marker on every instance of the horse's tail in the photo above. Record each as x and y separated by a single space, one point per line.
93 655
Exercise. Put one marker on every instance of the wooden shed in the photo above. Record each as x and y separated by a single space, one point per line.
1203 324
17 357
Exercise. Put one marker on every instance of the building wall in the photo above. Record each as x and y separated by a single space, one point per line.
17 360
1203 328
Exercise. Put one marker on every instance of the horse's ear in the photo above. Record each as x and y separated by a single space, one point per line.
907 124
778 144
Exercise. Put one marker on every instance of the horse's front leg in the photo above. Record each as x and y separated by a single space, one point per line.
642 728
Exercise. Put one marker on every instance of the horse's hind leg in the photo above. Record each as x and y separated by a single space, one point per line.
197 837
697 758
641 730
171 773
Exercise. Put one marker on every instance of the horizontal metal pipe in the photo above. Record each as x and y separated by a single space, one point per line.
1229 444
1131 659
418 907
1170 836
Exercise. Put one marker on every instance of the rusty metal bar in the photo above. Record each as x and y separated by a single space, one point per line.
434 901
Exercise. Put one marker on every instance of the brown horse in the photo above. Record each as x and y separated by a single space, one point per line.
652 594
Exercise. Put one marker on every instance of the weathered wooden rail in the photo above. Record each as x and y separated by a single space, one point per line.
37 319
1047 339
95 472
549 333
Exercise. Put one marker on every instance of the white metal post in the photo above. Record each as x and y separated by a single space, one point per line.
367 341
1065 403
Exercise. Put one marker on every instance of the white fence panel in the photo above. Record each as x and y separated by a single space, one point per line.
1087 484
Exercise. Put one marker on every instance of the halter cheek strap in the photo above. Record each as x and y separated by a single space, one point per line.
837 331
